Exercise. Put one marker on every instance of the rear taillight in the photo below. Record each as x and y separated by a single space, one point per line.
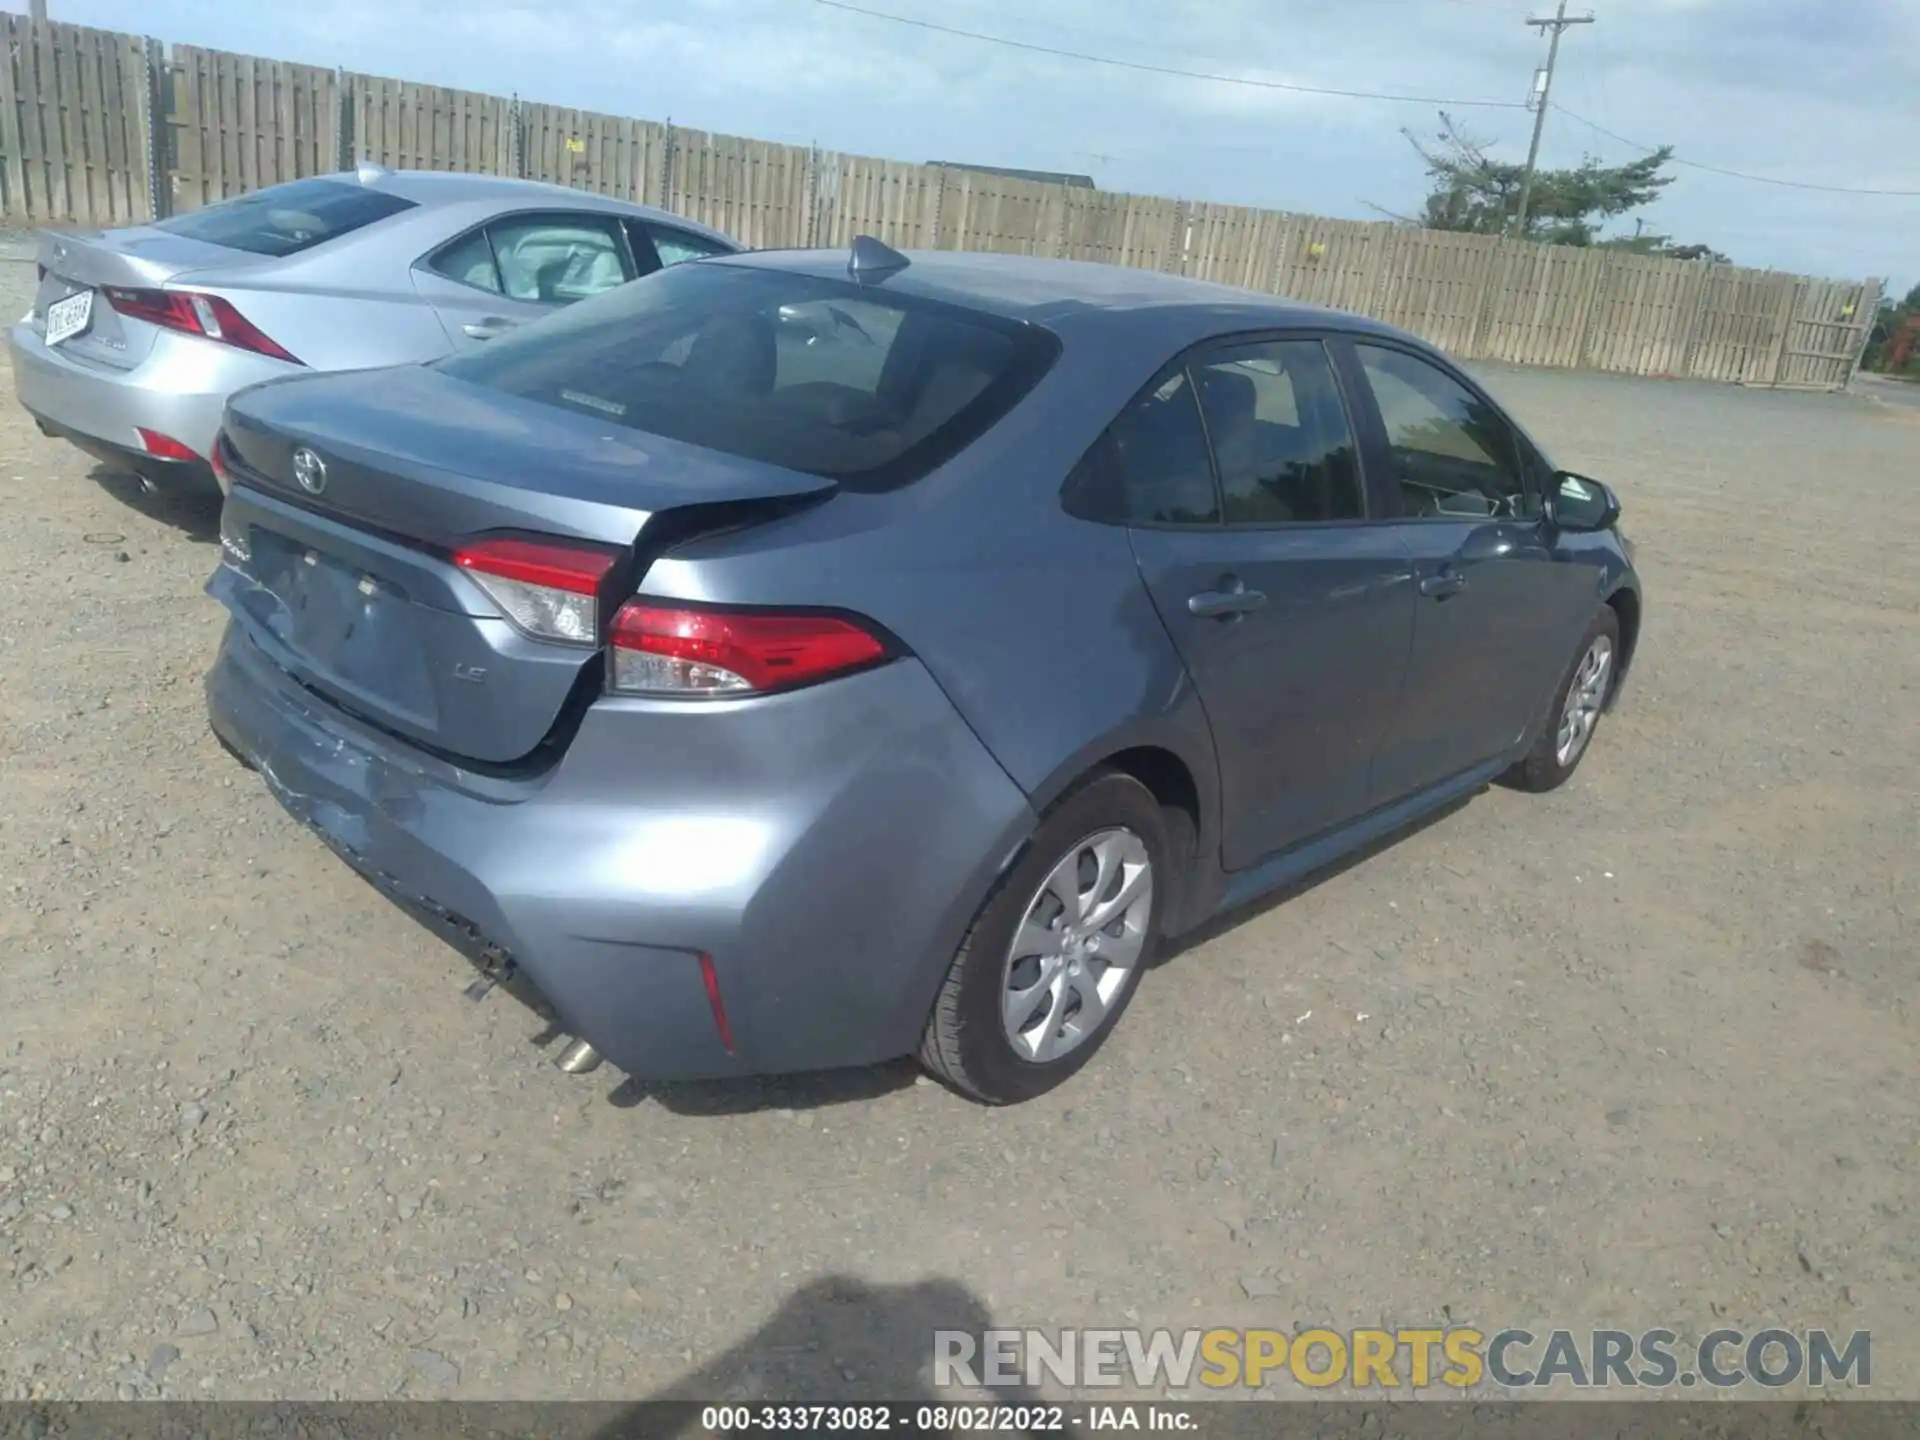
191 313
550 591
219 461
163 446
681 651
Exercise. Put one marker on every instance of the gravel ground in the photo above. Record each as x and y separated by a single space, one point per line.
1637 1053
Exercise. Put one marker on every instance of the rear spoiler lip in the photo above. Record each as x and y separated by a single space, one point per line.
112 257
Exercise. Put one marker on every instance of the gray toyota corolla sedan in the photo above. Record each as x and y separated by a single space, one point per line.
138 336
799 660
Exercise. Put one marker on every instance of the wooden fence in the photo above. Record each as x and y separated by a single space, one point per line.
232 123
103 129
76 124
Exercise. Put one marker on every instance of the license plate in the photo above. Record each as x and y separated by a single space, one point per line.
67 318
357 634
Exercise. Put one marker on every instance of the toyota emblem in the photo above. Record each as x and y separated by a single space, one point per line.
310 470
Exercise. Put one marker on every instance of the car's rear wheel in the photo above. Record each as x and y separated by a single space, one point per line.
1577 706
1057 949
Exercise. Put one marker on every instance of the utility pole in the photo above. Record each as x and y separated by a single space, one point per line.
1542 88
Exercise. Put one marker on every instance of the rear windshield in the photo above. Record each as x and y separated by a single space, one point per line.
828 377
284 219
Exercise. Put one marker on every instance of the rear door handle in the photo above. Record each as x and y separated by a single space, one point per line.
488 328
1213 604
1447 582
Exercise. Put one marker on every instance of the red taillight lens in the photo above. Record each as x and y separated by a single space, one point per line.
168 308
670 650
164 446
191 313
551 591
219 460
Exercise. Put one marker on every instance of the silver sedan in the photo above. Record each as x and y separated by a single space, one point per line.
137 337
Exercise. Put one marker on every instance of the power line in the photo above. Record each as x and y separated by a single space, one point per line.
1165 69
1136 65
984 13
1732 174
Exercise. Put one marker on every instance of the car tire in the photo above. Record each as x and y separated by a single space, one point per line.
1579 702
979 1038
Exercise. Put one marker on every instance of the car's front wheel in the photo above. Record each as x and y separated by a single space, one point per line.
1577 707
1057 949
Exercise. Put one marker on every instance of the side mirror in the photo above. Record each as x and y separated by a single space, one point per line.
1581 505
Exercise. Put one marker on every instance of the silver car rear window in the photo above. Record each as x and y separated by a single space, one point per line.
285 219
853 383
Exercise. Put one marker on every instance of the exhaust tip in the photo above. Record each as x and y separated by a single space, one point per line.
578 1058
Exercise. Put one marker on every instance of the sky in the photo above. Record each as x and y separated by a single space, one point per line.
1824 92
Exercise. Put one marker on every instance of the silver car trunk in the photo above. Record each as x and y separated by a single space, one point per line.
141 258
351 586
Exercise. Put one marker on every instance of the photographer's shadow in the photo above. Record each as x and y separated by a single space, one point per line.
838 1342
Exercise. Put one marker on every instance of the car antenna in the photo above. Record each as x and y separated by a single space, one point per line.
873 260
370 172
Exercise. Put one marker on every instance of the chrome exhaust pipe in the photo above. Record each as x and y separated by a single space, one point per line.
578 1058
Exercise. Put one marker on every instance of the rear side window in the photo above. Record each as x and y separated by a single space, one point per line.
558 259
1279 432
827 377
285 219
545 259
470 261
1150 467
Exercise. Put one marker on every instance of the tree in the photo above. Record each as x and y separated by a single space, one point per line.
1473 192
1891 344
1663 245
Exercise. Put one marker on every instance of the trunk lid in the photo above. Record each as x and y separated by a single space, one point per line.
352 588
140 258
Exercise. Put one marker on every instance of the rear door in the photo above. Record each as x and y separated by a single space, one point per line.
1491 609
520 267
1249 517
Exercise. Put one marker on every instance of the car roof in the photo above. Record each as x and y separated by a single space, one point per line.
1075 294
436 188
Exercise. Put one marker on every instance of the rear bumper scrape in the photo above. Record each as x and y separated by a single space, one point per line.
827 848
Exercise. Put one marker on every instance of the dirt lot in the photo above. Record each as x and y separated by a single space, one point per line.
1638 1053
